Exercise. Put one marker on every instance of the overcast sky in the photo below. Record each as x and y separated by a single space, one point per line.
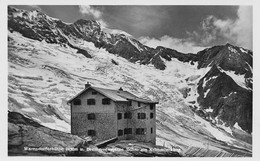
183 28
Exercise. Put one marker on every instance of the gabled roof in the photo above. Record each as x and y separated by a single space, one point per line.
115 95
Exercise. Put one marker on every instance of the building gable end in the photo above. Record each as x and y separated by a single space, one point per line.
97 90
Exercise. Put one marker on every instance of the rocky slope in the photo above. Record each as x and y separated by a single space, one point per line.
225 100
205 98
27 137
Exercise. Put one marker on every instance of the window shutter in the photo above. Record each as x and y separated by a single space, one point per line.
77 102
151 106
120 132
91 133
91 116
128 115
151 115
130 103
106 101
119 116
91 101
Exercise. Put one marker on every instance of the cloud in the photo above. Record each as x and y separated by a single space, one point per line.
102 23
90 11
182 45
97 14
212 31
238 31
243 27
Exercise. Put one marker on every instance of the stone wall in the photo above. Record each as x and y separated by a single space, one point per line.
122 123
105 125
135 123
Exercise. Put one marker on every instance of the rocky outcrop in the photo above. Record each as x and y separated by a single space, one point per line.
230 103
27 137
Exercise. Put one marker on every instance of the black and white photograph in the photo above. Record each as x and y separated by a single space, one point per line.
129 80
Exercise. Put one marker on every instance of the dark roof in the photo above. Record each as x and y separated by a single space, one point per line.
115 95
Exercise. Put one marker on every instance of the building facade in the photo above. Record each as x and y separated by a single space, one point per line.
104 114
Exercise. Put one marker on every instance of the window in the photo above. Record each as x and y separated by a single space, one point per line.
91 116
128 131
151 130
130 103
119 116
106 101
77 102
120 132
140 131
151 115
128 115
141 115
94 92
91 101
139 104
91 133
151 106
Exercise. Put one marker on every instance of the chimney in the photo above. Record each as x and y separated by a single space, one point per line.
120 89
87 85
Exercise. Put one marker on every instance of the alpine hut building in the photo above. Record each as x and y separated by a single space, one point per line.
105 113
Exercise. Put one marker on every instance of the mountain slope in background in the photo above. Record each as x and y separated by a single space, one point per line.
205 98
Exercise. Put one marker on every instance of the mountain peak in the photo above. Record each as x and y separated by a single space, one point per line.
228 44
116 32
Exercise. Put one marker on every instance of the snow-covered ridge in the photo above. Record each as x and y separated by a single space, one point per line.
135 44
115 32
34 14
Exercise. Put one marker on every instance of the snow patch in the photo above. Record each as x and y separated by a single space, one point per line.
204 83
232 49
206 93
227 129
28 109
239 79
243 50
229 94
237 126
209 109
251 69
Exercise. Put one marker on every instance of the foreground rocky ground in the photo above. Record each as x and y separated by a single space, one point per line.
28 138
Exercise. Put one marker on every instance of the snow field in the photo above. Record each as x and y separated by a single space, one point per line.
142 80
